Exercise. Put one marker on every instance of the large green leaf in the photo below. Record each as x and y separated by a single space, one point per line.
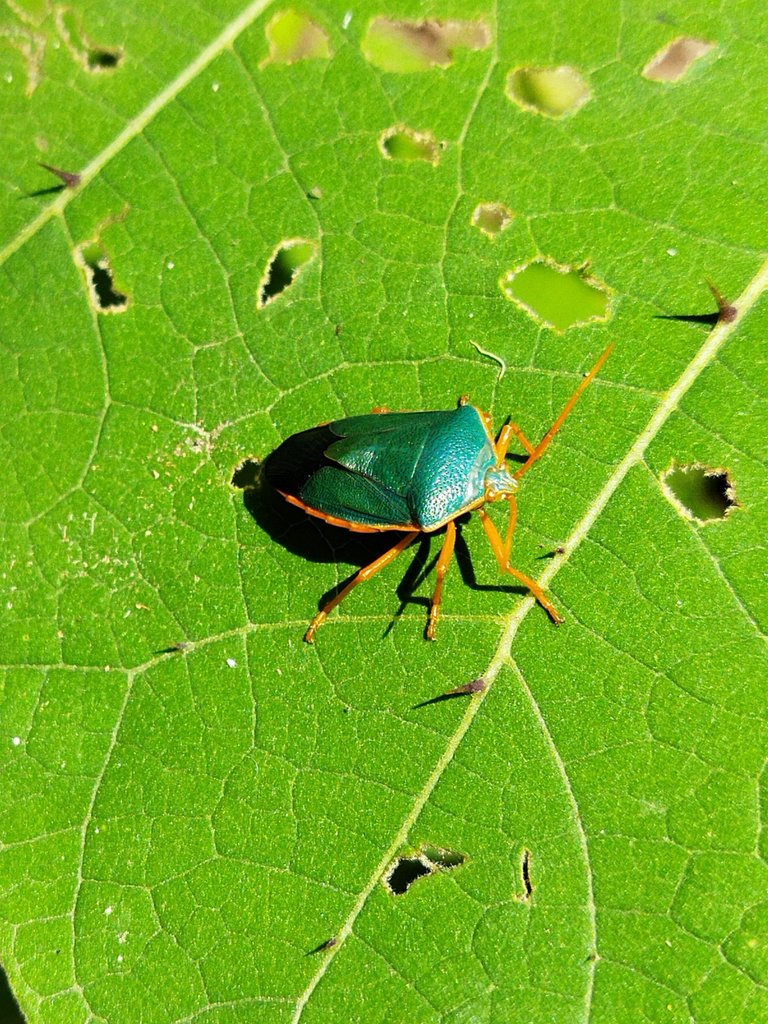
183 828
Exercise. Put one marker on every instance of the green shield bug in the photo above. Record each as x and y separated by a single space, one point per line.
415 473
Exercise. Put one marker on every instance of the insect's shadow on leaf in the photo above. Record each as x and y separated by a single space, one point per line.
467 570
418 570
310 538
302 534
708 319
50 190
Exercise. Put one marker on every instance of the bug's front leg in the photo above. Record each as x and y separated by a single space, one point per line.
503 559
507 432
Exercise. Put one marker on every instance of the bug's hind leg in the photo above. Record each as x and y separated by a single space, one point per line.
503 559
363 574
446 554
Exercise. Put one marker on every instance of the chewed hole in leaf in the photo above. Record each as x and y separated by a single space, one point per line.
92 56
293 37
405 47
442 858
246 474
103 60
105 297
700 492
404 873
427 861
554 92
525 877
492 218
284 266
557 296
675 60
403 143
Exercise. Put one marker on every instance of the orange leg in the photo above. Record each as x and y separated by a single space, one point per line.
545 442
503 560
511 526
363 574
507 432
442 568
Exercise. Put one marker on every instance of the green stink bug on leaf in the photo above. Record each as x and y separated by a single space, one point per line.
412 472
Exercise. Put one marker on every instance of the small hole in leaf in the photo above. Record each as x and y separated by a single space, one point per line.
293 37
428 860
554 92
406 47
525 875
557 296
103 60
246 474
402 143
441 858
104 295
492 218
404 873
91 55
284 266
700 492
674 61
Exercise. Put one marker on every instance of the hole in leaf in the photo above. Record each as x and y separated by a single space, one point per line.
402 143
700 492
284 267
293 37
427 861
92 56
674 61
525 875
404 873
553 92
246 474
105 296
103 60
406 47
441 858
492 218
557 296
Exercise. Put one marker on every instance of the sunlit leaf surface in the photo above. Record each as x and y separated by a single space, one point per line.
198 811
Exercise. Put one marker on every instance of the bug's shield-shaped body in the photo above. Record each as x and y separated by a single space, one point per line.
399 470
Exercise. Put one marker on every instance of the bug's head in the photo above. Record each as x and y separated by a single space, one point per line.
499 483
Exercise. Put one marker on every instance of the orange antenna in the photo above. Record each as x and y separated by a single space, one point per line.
545 442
